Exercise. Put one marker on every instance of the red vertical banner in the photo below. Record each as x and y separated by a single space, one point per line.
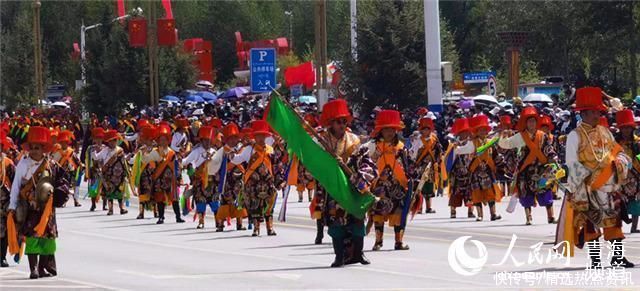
121 9
206 62
167 32
137 32
167 9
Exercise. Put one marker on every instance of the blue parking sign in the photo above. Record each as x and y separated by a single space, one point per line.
263 69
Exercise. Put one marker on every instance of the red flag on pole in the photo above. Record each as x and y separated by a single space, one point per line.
167 32
302 74
167 8
137 32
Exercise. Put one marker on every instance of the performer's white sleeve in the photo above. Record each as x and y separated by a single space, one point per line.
577 171
152 156
513 142
216 162
176 140
193 155
17 183
102 155
243 156
131 137
415 149
466 149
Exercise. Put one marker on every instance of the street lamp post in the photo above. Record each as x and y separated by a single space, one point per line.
290 14
83 31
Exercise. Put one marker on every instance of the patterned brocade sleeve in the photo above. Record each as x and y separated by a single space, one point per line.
60 185
364 169
549 150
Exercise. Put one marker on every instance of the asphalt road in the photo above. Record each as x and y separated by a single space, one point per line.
118 252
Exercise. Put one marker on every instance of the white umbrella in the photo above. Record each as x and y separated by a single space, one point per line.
204 84
197 112
505 105
60 104
485 99
537 98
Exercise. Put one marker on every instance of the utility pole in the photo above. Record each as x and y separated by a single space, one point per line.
289 13
37 51
432 55
152 44
320 12
354 29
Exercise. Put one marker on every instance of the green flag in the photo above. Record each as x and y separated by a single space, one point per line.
322 165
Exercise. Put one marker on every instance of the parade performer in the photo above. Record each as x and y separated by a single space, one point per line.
344 229
142 171
37 188
203 182
533 171
115 171
631 145
392 184
259 178
506 159
482 167
92 170
425 154
67 160
546 125
165 174
7 172
598 166
180 142
459 177
230 187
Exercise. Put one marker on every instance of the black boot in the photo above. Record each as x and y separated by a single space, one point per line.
51 265
4 242
33 266
338 249
42 265
319 231
358 255
176 210
160 213
618 260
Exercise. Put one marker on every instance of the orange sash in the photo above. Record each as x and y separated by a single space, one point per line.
607 169
534 149
484 157
388 158
168 161
5 178
112 160
292 179
262 158
68 157
428 145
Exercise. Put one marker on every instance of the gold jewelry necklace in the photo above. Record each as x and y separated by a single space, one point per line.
604 154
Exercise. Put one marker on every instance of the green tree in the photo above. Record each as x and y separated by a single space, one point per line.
16 61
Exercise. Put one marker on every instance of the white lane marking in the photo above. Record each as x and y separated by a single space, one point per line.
270 275
59 279
368 269
47 286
